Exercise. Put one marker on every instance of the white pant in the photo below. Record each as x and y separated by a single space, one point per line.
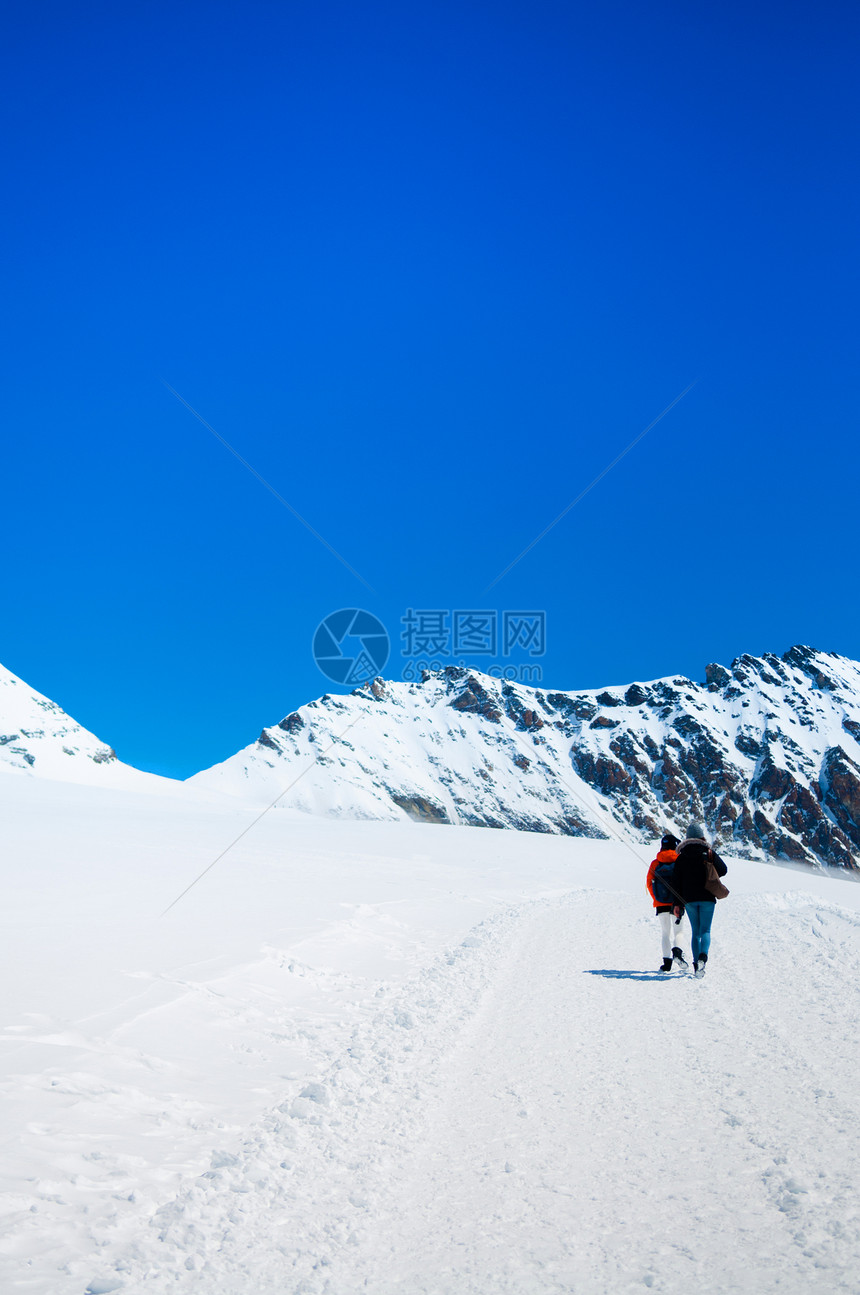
670 932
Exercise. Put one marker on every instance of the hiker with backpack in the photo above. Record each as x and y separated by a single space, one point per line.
667 905
695 878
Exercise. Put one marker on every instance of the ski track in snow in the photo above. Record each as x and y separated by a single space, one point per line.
532 1114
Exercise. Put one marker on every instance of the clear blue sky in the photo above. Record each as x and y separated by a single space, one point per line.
429 268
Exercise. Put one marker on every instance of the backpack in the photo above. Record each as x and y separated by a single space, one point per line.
713 882
664 891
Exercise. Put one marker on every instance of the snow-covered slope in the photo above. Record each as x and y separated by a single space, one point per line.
37 737
766 753
390 1059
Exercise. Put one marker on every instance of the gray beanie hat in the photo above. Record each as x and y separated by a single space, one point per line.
695 830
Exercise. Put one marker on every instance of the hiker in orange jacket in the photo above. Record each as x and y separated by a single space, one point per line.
667 906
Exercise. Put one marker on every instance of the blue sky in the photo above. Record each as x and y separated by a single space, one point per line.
428 268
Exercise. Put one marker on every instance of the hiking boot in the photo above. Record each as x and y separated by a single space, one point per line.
678 956
667 965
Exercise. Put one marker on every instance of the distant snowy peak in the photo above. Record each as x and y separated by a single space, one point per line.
765 752
37 737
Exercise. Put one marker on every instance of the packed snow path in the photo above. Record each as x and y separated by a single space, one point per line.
532 1114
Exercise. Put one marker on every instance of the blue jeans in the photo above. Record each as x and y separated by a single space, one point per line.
701 915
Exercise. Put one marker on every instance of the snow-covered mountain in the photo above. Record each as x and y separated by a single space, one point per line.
39 738
766 753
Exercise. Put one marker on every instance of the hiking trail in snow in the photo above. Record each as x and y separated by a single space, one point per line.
535 1113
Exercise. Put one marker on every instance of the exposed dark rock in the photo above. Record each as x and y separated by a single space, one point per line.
748 745
689 727
840 786
584 709
725 817
525 719
523 823
636 695
771 782
776 666
646 822
664 698
744 829
607 699
800 655
630 753
777 843
743 667
573 824
293 723
830 843
808 660
716 677
569 704
481 818
675 788
103 756
707 771
777 737
600 771
800 811
420 808
476 700
850 725
265 739
603 721
454 673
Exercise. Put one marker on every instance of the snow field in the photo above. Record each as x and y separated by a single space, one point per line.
519 1117
387 1057
132 1046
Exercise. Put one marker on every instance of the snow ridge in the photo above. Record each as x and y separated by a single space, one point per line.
35 728
765 753
37 737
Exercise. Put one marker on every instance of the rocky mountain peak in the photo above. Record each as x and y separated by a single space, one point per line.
38 739
37 735
765 752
